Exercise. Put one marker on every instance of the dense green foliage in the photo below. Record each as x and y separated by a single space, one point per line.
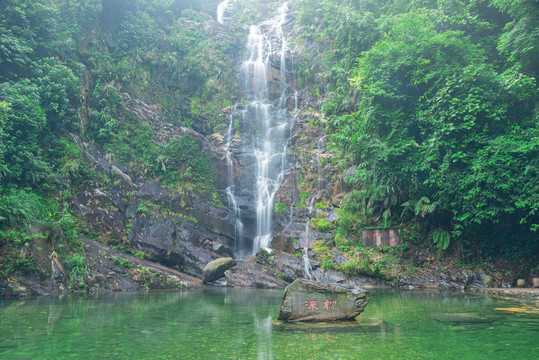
435 102
64 66
432 102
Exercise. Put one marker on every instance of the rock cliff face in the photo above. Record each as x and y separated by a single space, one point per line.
173 232
104 270
312 189
309 178
182 229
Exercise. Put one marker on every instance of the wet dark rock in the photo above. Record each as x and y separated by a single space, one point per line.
161 252
286 266
216 269
125 180
177 242
57 269
284 243
466 277
171 226
266 269
249 275
218 247
111 270
24 286
106 270
306 300
329 277
481 279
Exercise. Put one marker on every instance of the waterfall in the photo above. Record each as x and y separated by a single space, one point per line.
221 8
307 263
266 46
307 267
239 245
266 126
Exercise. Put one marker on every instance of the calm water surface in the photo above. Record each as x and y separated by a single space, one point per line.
240 324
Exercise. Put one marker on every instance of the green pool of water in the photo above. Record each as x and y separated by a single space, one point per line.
240 324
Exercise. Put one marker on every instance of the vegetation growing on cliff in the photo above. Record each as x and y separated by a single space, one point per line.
435 102
65 67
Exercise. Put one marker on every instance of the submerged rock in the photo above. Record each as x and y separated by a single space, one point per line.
216 269
461 318
362 324
306 300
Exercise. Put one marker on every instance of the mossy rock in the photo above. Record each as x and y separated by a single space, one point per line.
216 269
306 300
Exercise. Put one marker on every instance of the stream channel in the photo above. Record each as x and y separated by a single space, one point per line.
225 323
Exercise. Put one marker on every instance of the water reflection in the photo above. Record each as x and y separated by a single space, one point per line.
241 324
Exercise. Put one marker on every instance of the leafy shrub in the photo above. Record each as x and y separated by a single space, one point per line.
122 262
280 207
19 207
327 264
76 266
321 225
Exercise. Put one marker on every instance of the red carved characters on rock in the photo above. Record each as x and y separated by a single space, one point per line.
311 305
328 303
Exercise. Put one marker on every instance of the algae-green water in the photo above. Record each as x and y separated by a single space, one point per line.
225 323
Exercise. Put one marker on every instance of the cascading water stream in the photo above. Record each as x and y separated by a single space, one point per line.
270 120
307 267
238 224
307 263
266 127
221 8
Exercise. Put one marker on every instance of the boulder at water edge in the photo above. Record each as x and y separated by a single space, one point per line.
216 269
306 300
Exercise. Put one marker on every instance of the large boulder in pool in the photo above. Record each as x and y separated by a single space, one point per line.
216 269
306 300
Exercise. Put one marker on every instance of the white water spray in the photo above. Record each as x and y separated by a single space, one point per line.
221 8
305 252
239 245
307 264
270 119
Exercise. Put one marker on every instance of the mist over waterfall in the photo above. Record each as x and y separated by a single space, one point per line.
221 8
266 121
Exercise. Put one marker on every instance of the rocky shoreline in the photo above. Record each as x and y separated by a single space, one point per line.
110 270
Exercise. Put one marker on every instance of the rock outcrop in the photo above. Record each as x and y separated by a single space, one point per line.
253 277
266 269
306 300
182 229
216 269
100 269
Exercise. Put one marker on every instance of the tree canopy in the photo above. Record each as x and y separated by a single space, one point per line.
445 131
